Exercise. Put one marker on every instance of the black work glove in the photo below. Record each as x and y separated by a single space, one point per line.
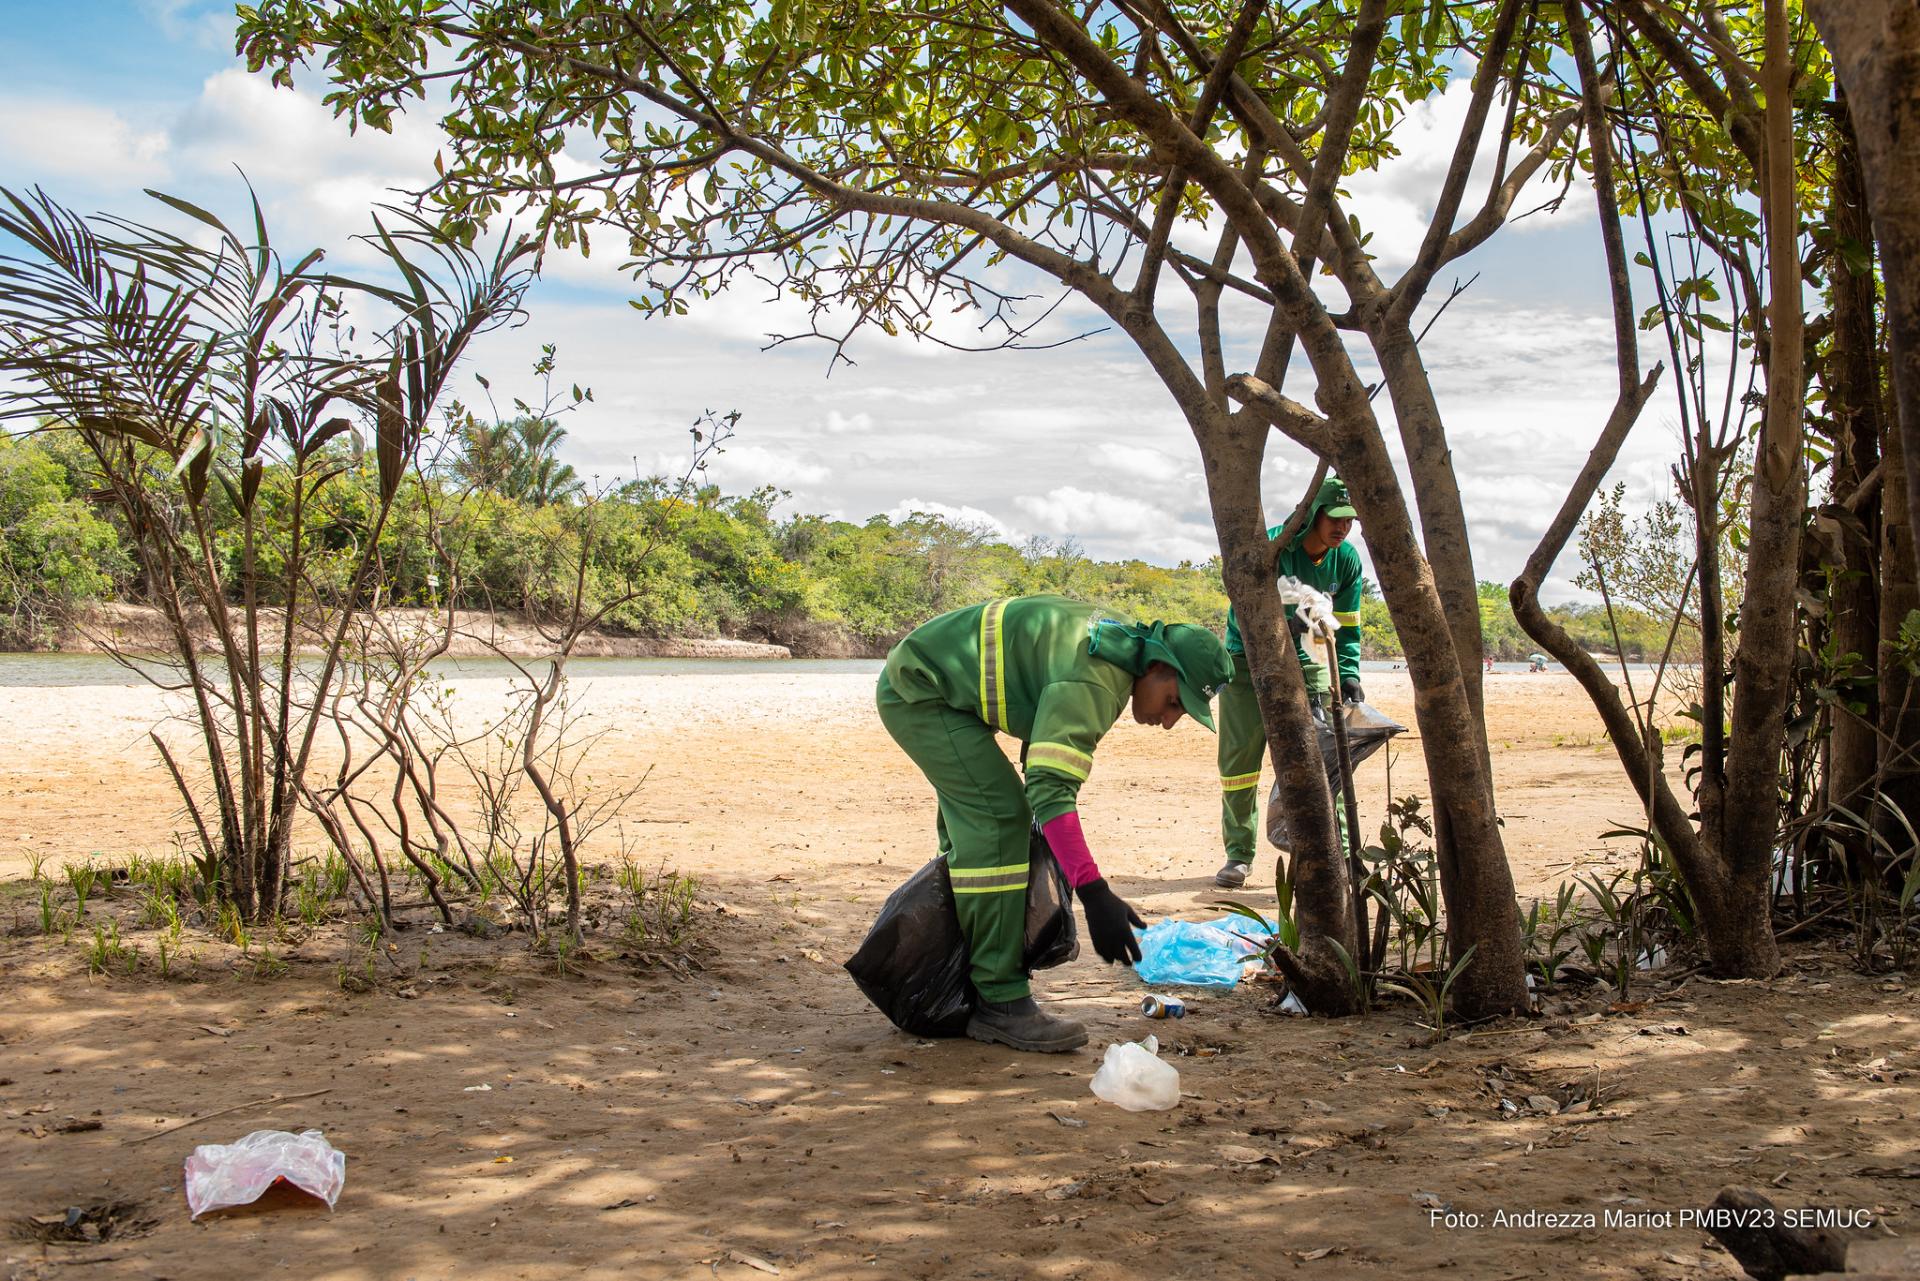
1108 922
1297 623
1350 690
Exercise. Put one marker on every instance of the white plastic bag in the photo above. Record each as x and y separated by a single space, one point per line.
1133 1076
1311 604
222 1175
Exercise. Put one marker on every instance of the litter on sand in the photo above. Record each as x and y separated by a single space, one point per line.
1134 1076
1197 953
223 1175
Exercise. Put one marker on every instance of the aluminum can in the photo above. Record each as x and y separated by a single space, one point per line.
1163 1007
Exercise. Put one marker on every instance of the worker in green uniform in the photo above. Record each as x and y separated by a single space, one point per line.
1321 558
1056 675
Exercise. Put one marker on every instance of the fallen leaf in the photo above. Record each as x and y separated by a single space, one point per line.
1238 1155
1154 1196
211 1030
753 1261
478 1089
76 1125
503 1160
1071 1122
620 1205
1325 1251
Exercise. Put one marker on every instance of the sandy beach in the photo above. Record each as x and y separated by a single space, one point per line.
783 766
754 1114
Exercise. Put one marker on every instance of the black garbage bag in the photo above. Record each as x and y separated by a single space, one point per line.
913 964
1367 732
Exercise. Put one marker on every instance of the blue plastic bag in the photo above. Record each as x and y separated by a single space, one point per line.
1196 953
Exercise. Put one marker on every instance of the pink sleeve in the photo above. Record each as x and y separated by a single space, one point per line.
1069 846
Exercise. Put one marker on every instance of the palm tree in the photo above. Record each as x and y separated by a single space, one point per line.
518 459
541 477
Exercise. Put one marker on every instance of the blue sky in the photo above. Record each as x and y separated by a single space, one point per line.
106 97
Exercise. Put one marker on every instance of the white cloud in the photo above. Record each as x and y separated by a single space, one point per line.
1395 202
973 517
1142 462
210 26
50 140
1115 526
839 424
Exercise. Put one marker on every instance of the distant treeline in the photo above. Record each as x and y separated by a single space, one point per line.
696 562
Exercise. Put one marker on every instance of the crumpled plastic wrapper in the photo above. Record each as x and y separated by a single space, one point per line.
1311 604
1134 1076
223 1175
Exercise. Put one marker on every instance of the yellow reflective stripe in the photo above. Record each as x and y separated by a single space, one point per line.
993 666
1239 782
1058 756
993 888
1347 620
988 871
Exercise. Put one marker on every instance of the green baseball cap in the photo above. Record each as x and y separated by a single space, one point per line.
1201 662
1334 500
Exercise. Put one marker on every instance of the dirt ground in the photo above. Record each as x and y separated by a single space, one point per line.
756 1114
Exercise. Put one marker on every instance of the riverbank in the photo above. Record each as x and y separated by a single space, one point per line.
142 629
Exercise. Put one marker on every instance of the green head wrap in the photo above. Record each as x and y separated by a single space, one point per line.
1195 654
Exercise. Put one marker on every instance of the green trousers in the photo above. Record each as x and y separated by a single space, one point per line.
984 828
1242 747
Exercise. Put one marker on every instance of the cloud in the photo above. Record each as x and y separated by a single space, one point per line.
56 139
748 466
1141 462
1104 523
839 424
206 25
973 517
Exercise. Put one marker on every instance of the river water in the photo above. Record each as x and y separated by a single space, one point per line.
57 671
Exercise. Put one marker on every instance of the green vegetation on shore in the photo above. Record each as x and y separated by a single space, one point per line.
705 563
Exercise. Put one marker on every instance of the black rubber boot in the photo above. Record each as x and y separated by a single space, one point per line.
1024 1026
1231 876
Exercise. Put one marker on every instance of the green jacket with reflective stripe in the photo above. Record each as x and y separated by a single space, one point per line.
1337 573
1023 667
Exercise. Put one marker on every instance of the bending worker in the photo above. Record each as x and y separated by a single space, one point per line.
1056 675
1322 558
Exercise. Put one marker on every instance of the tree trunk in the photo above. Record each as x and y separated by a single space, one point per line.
1853 400
1899 697
1749 826
1231 451
1876 57
1474 877
1436 491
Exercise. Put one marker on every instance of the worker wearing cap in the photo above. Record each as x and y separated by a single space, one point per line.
1056 675
1322 558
